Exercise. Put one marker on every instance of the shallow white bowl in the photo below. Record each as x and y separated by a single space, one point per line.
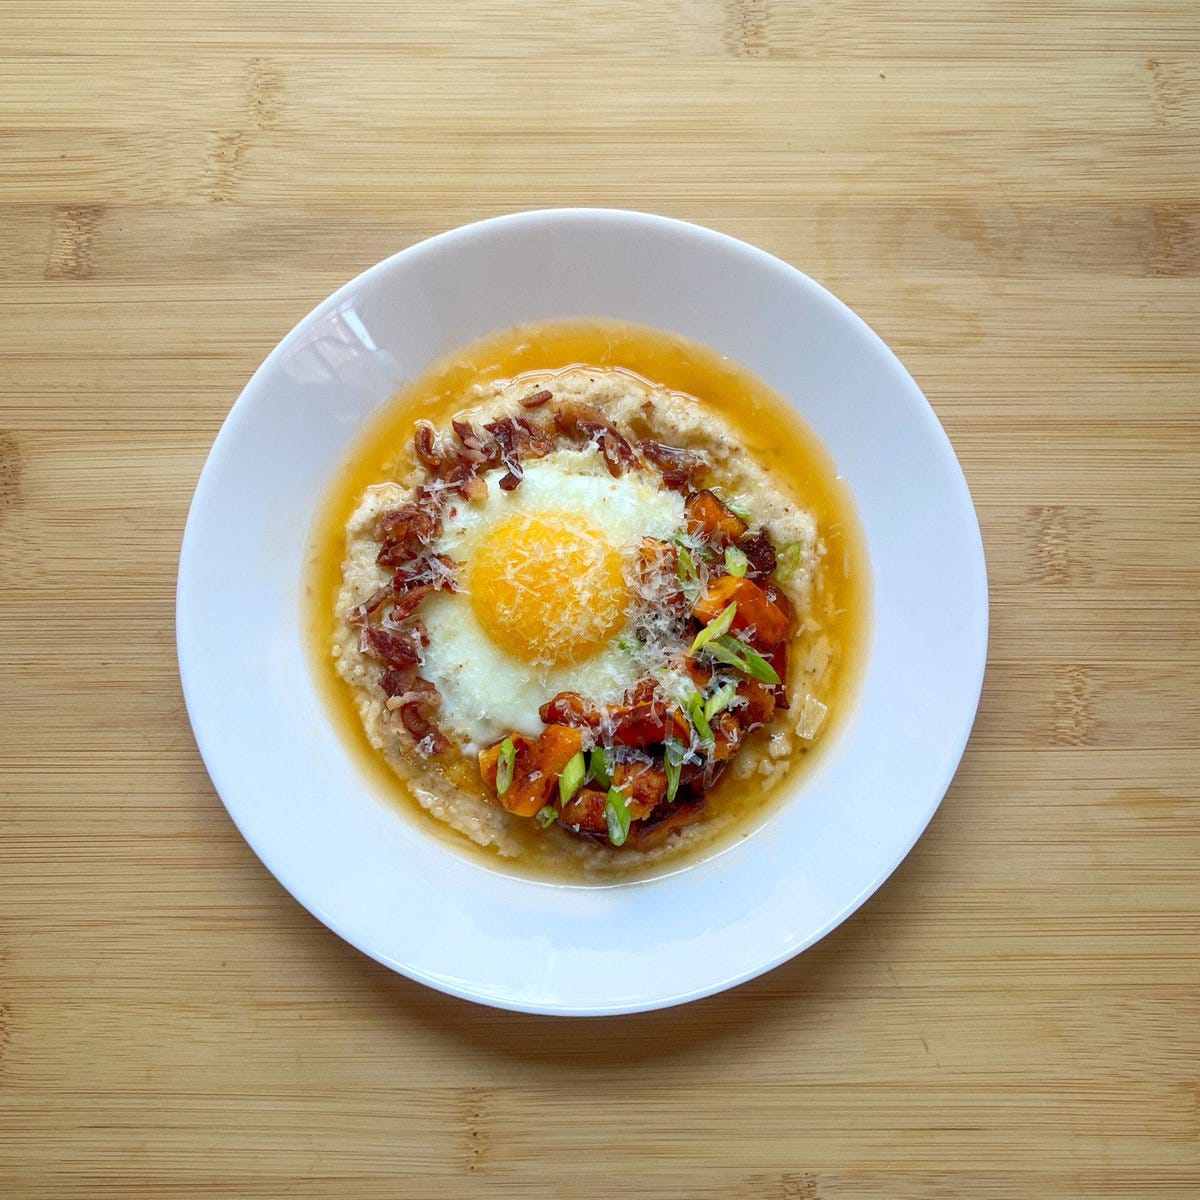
410 901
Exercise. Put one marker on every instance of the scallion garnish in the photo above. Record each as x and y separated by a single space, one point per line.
685 564
720 700
571 778
672 761
728 649
598 766
716 627
616 817
695 707
546 816
504 766
787 559
737 512
736 561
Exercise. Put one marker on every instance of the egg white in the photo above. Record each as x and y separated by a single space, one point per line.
486 692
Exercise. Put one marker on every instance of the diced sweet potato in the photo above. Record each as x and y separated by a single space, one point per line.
754 609
707 516
537 764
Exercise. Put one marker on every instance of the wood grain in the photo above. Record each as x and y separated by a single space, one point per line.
1009 194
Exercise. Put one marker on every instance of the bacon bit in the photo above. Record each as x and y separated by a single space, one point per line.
434 572
706 515
397 681
359 613
406 604
760 704
537 399
416 717
759 551
584 812
778 658
665 820
643 782
425 444
403 531
678 466
393 648
641 723
586 421
537 763
475 448
755 610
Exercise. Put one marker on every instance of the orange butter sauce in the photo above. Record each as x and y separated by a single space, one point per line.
769 430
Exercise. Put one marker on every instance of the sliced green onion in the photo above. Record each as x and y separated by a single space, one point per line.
571 777
737 512
628 644
504 766
672 761
546 816
720 700
716 627
736 561
616 817
598 766
787 560
685 564
730 650
695 707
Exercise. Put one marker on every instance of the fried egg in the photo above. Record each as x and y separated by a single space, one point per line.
544 605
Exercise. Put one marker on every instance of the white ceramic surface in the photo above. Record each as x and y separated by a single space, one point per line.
407 899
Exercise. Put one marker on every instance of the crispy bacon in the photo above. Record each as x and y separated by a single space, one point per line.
665 820
707 515
391 647
641 723
396 681
359 613
678 466
760 704
419 718
425 444
778 597
432 571
403 532
755 610
778 658
537 399
759 551
584 813
587 422
643 782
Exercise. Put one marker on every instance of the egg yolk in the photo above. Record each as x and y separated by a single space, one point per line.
548 588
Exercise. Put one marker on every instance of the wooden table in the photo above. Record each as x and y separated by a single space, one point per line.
1010 194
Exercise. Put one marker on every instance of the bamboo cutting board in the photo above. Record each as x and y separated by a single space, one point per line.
1010 194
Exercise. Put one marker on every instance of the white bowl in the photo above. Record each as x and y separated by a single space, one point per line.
408 899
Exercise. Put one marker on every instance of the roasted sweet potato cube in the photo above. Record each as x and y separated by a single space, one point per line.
754 609
707 516
537 764
643 783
